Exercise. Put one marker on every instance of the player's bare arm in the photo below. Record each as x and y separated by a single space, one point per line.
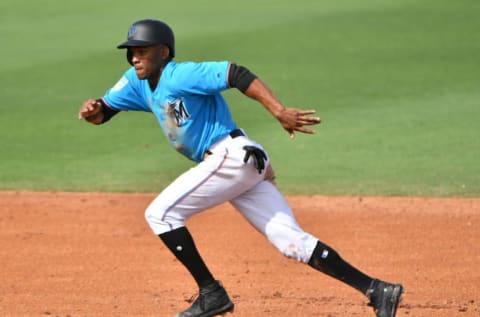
291 119
95 111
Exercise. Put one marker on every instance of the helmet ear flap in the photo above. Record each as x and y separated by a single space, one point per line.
129 56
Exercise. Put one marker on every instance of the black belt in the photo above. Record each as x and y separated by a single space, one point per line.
236 133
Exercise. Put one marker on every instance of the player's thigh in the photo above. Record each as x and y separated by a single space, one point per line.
216 180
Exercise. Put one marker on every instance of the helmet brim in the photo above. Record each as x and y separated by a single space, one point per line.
134 43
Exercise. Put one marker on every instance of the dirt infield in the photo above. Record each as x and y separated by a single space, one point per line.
90 254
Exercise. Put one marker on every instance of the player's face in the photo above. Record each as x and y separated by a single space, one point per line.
147 61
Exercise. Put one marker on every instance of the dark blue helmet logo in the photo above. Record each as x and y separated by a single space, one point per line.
131 32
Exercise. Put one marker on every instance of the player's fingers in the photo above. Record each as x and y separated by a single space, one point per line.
309 119
91 104
83 115
301 122
306 112
87 108
85 112
305 130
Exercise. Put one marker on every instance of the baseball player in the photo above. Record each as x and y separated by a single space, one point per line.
186 99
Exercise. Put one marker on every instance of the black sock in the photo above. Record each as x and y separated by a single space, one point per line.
327 260
180 242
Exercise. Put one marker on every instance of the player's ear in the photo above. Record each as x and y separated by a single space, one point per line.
164 52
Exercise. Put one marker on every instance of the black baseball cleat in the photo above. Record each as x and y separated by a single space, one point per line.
212 300
384 297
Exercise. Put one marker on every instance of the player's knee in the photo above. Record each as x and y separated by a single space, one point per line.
161 221
298 247
295 251
156 221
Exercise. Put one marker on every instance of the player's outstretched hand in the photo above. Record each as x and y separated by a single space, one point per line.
293 120
90 111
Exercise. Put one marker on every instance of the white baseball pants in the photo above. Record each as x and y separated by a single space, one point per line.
221 177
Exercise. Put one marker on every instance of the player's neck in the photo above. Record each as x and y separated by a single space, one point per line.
155 79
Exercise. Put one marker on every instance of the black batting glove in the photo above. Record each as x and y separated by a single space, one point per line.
258 156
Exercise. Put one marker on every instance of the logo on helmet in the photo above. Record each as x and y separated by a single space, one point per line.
131 32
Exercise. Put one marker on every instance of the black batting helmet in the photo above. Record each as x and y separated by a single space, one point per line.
149 32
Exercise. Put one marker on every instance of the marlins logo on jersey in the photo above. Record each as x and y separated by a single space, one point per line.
178 112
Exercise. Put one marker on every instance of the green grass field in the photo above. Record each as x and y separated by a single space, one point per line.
397 85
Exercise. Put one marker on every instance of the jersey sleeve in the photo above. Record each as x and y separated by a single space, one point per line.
200 78
126 94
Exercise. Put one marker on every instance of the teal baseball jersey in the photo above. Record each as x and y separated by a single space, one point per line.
187 103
